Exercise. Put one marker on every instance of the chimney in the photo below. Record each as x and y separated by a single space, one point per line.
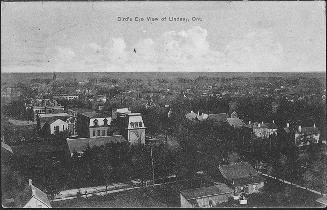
249 122
287 125
259 125
273 121
29 182
262 122
300 128
314 125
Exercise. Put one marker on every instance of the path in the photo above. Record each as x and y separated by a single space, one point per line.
296 185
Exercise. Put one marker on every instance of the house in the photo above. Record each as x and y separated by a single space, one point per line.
93 124
218 118
306 135
51 118
53 126
191 116
132 127
242 176
235 122
205 196
79 145
264 130
32 197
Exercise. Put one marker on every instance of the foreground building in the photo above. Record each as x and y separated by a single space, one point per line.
205 196
243 177
33 197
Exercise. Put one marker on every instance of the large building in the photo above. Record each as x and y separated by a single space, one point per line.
93 124
131 126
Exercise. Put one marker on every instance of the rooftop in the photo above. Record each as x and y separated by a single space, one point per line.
206 191
94 114
238 171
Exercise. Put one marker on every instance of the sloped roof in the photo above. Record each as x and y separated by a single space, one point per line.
235 122
309 130
221 117
95 114
41 196
62 114
80 145
265 125
322 200
237 171
29 192
191 194
6 147
51 120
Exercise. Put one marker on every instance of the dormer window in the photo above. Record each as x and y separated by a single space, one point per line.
95 122
105 121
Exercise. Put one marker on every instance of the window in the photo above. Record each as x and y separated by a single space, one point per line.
95 122
140 124
98 132
63 127
103 132
108 132
93 132
56 129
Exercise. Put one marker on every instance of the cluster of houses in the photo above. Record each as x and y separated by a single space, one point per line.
264 130
240 179
86 127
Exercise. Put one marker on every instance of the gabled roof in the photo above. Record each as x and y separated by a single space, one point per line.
94 114
80 145
51 120
221 117
235 122
39 195
309 130
197 193
31 191
238 171
265 126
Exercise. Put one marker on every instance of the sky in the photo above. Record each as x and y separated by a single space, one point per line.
232 37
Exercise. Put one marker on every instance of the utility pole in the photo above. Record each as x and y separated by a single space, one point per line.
152 166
